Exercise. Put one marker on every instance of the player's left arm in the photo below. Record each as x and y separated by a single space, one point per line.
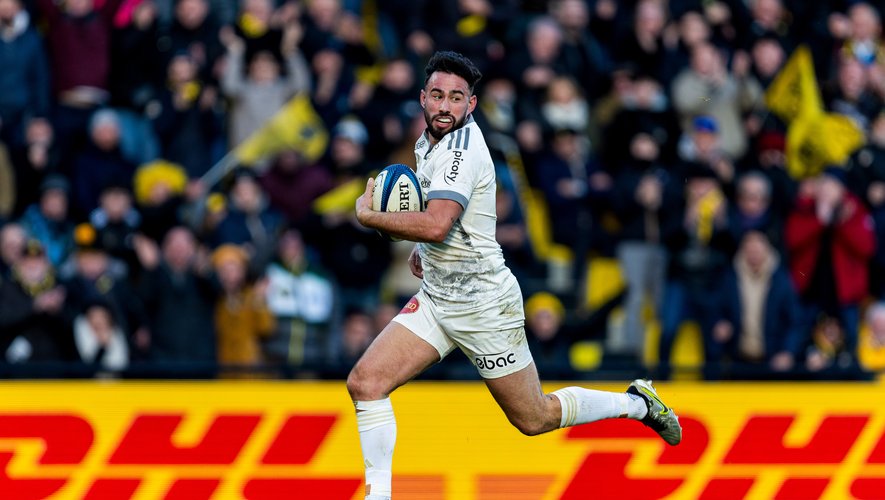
430 226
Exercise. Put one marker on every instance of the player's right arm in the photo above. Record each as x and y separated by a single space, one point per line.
430 226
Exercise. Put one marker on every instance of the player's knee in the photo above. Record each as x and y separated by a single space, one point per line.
362 387
530 426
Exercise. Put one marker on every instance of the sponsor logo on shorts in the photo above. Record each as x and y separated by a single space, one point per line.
492 361
454 168
411 306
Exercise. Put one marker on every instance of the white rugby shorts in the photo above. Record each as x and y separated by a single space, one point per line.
492 335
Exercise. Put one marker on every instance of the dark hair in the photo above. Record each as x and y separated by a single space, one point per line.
454 63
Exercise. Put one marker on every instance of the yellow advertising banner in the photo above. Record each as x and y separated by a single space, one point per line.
298 440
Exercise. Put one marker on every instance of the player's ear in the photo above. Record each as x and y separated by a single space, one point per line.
423 98
471 103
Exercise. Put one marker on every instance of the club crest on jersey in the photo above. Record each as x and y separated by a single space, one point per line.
411 306
454 168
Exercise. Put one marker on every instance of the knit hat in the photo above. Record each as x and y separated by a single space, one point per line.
229 252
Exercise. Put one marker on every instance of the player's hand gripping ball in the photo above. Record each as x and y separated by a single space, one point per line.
397 189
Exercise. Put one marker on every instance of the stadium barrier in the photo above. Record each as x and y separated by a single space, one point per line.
298 440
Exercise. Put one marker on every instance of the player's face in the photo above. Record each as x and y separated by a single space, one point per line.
446 101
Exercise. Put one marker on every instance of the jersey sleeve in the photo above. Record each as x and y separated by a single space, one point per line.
457 169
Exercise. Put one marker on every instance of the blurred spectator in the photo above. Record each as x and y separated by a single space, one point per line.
703 145
12 245
643 107
645 190
357 332
159 187
96 276
771 18
830 241
357 257
193 31
391 107
33 322
242 317
871 348
708 88
248 221
512 233
544 314
693 29
850 93
768 57
770 160
769 333
134 38
101 163
859 36
700 248
260 86
645 44
830 352
582 57
564 107
116 222
572 182
48 220
79 39
868 171
100 341
292 184
185 118
24 85
752 210
180 298
302 299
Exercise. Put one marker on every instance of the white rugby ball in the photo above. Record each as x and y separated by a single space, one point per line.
397 189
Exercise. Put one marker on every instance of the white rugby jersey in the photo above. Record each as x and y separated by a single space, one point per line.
468 267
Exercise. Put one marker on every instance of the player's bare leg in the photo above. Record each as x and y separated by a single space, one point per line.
396 356
531 411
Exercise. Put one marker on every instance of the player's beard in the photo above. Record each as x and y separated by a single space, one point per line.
438 133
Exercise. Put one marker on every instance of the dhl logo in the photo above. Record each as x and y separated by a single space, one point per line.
128 444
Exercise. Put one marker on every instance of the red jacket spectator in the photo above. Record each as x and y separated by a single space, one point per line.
853 245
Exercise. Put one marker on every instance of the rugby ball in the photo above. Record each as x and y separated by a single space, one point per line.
397 190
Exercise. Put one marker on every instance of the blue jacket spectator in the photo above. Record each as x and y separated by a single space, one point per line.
48 222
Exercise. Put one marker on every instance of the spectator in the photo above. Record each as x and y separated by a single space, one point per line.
564 107
12 246
24 86
391 106
871 348
850 93
645 191
769 333
100 341
700 248
645 46
96 276
34 326
134 38
195 32
248 221
302 299
179 297
242 317
259 91
48 222
186 122
101 164
830 240
581 55
292 184
829 355
116 222
859 35
159 188
549 344
79 39
768 58
753 211
357 332
868 171
708 88
703 145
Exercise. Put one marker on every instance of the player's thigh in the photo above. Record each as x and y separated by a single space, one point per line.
396 356
522 399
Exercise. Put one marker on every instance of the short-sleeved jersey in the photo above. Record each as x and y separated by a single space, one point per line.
468 267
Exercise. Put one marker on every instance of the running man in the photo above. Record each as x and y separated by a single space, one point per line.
468 299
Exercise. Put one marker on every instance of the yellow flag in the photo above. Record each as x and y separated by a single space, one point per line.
340 199
296 126
817 140
794 91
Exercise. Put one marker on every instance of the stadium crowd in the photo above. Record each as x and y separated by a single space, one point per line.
637 131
